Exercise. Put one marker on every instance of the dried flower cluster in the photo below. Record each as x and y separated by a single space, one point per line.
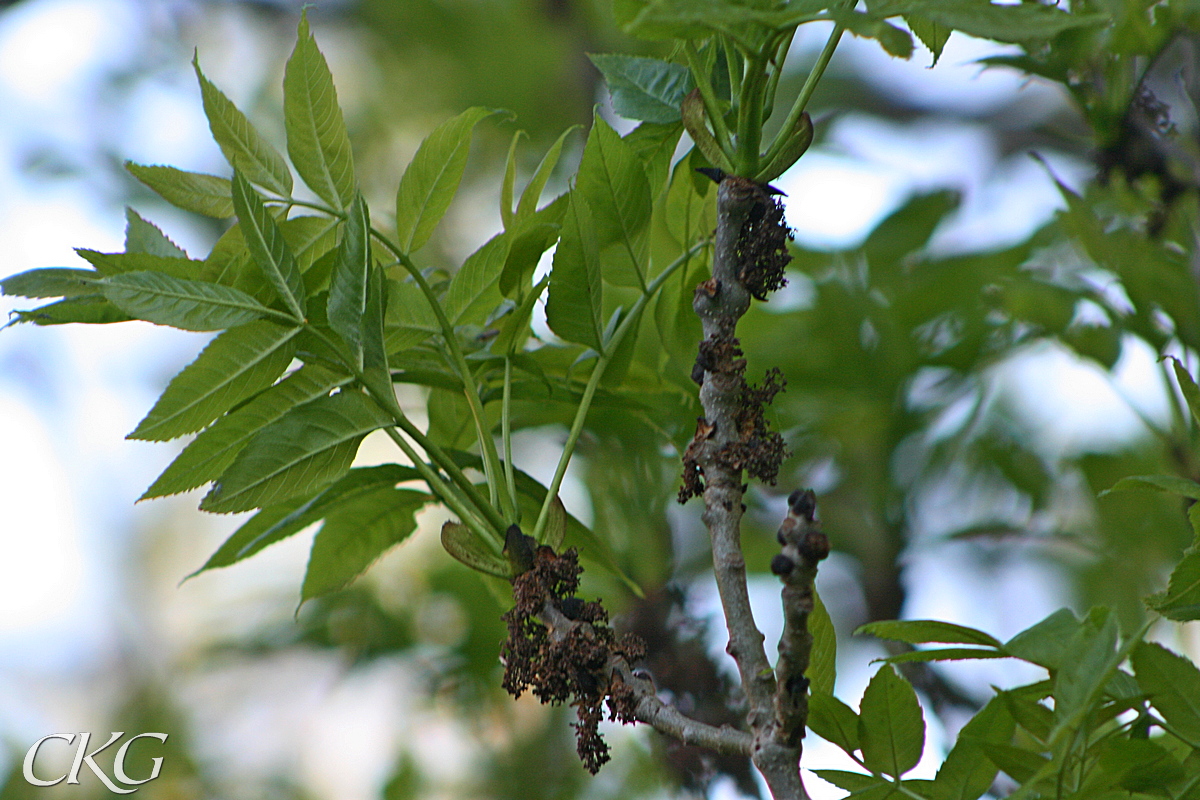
561 648
762 253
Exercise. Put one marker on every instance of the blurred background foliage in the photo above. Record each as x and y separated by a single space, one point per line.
940 477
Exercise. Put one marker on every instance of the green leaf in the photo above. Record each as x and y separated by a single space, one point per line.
1137 765
944 654
528 204
267 246
1181 601
1029 713
473 293
644 88
1018 763
190 305
316 133
348 287
210 453
191 191
1021 22
238 364
654 145
91 309
1191 392
850 781
613 180
1088 661
467 548
146 237
575 299
1162 483
895 42
531 237
932 34
833 720
409 320
1045 642
432 178
282 520
515 330
357 534
376 371
967 772
51 282
508 184
310 446
244 148
109 264
891 727
822 665
925 631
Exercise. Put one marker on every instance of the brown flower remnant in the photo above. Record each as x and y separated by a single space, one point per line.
560 647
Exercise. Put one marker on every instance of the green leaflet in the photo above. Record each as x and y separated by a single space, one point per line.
1021 22
236 365
895 42
91 309
924 631
528 204
613 180
473 292
833 720
51 282
891 728
210 453
348 286
142 236
1191 392
432 178
967 773
310 446
1162 483
575 299
190 305
1181 601
531 236
109 264
280 521
466 547
822 668
508 184
358 533
409 319
267 246
191 191
932 34
646 89
1088 662
244 148
1173 683
316 133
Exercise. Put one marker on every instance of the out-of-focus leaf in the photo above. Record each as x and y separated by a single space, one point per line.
192 191
1088 661
1018 763
1044 643
316 133
432 178
1187 385
1161 483
236 365
1001 22
356 534
850 781
309 447
895 41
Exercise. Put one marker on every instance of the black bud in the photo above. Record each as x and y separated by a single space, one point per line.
717 175
782 565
